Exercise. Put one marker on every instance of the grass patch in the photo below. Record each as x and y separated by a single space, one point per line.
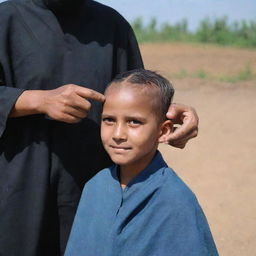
245 75
201 74
181 74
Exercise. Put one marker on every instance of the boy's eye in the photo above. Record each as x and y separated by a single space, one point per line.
108 120
135 122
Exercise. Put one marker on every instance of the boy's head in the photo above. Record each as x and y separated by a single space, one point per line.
134 117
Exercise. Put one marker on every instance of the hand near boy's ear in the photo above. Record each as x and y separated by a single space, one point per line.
188 120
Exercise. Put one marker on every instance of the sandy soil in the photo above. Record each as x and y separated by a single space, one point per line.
220 164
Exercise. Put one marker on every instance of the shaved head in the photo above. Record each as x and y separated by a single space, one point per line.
154 86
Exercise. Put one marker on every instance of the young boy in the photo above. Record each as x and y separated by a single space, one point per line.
139 206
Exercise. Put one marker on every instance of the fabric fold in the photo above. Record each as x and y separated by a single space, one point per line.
8 98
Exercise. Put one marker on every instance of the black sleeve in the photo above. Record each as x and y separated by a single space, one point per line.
8 92
129 57
133 52
8 97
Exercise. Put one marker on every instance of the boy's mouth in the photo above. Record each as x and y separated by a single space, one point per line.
120 148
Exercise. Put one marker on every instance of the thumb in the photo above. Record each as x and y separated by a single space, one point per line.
175 112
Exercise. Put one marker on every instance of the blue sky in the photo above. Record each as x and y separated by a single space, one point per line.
193 10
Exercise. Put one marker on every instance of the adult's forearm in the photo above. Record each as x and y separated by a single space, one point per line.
28 103
68 103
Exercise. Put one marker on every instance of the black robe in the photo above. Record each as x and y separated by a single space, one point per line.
45 163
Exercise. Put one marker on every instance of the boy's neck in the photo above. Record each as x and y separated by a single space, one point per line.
130 171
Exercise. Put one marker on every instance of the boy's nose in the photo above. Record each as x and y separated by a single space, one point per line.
119 134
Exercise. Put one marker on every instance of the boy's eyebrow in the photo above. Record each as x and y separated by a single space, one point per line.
136 117
141 118
105 114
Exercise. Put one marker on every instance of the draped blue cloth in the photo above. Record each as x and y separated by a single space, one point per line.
156 214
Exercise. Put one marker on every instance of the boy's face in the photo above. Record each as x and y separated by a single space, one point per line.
129 129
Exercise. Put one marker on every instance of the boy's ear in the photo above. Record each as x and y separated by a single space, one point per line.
165 130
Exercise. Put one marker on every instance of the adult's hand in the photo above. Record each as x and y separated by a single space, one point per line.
68 103
187 120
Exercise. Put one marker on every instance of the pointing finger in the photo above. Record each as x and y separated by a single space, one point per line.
90 94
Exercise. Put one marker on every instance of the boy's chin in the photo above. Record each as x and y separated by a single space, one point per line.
119 160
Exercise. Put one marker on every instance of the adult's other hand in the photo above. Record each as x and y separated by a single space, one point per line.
187 120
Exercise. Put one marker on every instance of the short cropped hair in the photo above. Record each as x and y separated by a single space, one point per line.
148 78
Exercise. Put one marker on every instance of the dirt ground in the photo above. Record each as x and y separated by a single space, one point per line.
220 164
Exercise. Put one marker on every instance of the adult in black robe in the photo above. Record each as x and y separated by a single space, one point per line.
45 160
44 163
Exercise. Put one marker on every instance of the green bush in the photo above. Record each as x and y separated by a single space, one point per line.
218 31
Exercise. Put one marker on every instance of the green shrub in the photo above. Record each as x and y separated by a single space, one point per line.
218 31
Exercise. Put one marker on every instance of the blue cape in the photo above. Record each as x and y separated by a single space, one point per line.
156 214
